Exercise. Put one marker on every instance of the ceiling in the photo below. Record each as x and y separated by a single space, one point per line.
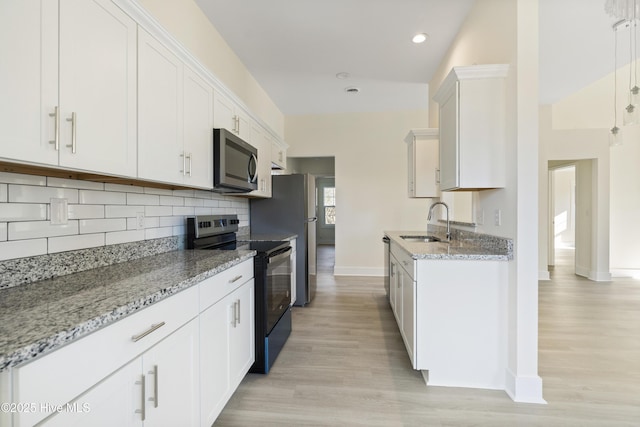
295 48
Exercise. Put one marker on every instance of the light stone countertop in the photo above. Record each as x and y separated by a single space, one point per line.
42 316
475 249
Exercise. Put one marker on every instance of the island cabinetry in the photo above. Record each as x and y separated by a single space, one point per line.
68 84
227 343
472 110
423 163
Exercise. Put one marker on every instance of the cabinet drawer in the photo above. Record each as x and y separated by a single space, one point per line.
64 374
215 288
404 259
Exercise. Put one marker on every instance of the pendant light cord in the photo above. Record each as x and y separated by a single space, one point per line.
615 79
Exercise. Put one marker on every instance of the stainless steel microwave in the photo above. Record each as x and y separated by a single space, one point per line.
235 163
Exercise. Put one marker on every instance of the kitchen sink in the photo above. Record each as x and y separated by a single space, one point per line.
425 239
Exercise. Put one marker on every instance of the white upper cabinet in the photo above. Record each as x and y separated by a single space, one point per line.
472 128
423 163
92 122
278 155
228 115
262 142
175 143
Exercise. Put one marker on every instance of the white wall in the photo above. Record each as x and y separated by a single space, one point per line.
189 25
498 31
371 179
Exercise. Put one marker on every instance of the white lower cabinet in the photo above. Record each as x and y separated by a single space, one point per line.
159 388
227 338
175 363
452 318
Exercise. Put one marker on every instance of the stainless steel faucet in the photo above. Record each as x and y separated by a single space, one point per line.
447 208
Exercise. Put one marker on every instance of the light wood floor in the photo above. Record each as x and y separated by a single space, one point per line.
345 364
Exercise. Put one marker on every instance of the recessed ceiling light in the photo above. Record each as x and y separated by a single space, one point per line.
420 38
352 89
343 75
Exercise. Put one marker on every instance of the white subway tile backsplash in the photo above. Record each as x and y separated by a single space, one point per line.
204 211
23 212
99 213
22 248
158 210
170 221
18 178
71 243
102 225
86 211
171 201
158 191
152 222
120 211
89 197
37 229
124 188
184 210
143 199
156 233
116 237
31 194
73 183
190 201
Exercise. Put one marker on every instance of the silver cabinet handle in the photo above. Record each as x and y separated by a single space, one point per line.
438 176
235 279
56 121
238 312
190 156
142 411
406 263
74 125
154 399
234 314
153 327
184 163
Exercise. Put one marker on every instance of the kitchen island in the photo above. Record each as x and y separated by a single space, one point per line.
449 300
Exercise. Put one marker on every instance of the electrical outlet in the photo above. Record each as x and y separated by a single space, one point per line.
59 211
498 217
140 221
480 216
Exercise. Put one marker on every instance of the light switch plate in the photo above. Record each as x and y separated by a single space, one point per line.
59 211
140 221
498 217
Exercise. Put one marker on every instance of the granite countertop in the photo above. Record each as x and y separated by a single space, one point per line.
39 317
474 249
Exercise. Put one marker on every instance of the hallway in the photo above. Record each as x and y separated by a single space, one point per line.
345 364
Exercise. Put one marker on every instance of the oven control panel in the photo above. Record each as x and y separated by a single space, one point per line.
211 225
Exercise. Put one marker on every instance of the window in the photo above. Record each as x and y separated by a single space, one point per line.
329 204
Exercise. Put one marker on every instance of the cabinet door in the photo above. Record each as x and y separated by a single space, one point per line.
278 155
28 80
408 314
244 126
223 112
113 402
260 141
160 85
393 267
172 376
214 361
97 87
449 174
198 130
395 291
423 167
242 335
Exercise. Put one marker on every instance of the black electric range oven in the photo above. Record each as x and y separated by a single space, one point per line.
272 277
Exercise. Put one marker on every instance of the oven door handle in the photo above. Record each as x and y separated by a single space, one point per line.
286 253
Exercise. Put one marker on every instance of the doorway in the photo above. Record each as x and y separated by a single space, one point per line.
562 206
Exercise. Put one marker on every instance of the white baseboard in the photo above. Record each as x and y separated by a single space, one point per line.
544 275
626 272
524 389
358 271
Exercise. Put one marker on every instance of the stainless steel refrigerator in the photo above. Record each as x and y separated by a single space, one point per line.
292 210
